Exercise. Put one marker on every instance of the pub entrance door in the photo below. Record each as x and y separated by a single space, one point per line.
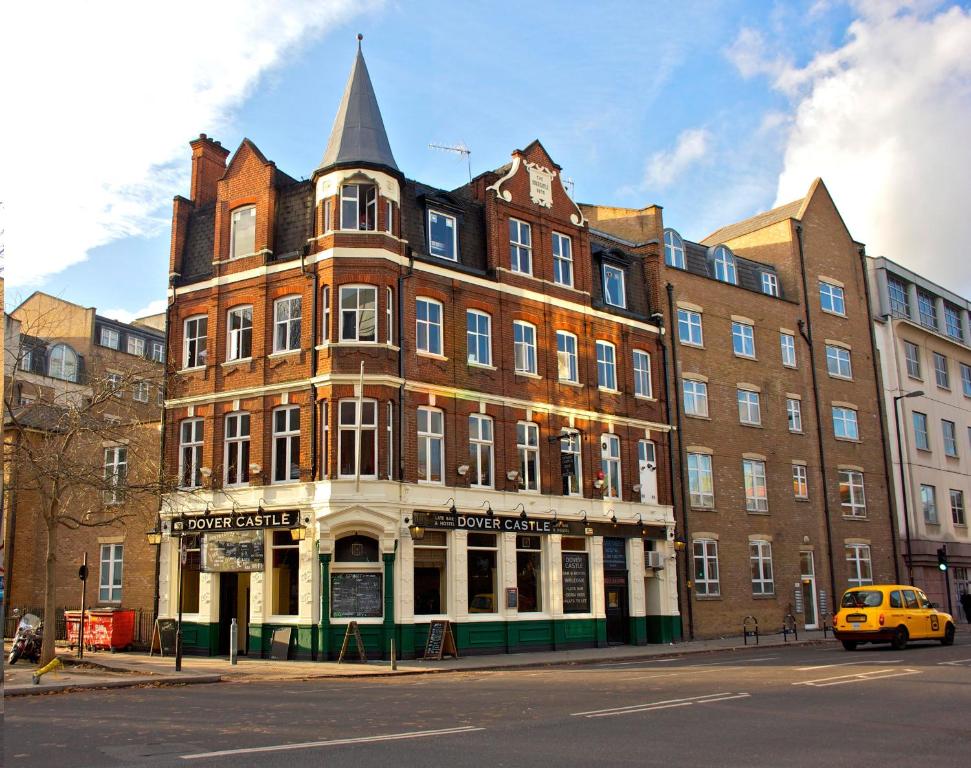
233 604
615 600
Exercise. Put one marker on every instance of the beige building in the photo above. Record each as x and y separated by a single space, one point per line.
924 337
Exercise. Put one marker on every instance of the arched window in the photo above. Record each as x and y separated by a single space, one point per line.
725 266
63 363
673 249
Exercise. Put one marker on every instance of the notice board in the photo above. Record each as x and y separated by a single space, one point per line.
355 595
232 552
576 582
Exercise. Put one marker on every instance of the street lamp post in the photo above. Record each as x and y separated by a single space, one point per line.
903 477
178 625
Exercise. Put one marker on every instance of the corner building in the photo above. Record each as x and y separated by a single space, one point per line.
449 402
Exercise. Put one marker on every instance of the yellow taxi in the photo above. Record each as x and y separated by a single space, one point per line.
890 613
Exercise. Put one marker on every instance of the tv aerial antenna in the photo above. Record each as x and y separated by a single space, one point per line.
459 149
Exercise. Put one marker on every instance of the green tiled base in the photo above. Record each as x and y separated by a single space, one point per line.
663 629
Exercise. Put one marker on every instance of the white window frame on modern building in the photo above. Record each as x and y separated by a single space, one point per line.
770 284
520 250
749 407
429 315
794 414
191 436
952 322
800 481
928 504
912 360
949 435
195 342
942 372
787 347
695 397
110 338
606 365
135 345
760 561
286 444
242 232
966 379
610 465
957 506
566 357
743 339
481 450
838 362
724 264
287 317
364 211
358 314
642 374
524 347
357 428
701 481
115 473
845 423
756 487
236 449
562 260
689 322
897 294
613 274
832 298
705 553
431 443
141 391
860 567
527 447
926 309
110 573
922 439
571 442
478 337
441 249
852 493
673 249
239 333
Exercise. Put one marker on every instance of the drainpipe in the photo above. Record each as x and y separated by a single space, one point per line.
315 279
806 331
681 463
399 443
161 463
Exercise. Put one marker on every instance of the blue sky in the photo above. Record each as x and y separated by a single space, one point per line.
714 110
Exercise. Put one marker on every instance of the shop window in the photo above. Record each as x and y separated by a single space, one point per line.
529 570
190 574
482 573
431 574
358 420
286 573
576 574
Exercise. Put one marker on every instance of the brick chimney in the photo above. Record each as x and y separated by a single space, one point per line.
208 167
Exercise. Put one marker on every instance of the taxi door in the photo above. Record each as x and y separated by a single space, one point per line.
933 626
916 620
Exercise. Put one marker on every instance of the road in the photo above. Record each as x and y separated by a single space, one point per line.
781 706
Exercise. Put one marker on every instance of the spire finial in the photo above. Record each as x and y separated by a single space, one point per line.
360 37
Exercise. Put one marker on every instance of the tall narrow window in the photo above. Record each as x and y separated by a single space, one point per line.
358 308
286 444
286 324
357 419
706 567
158 352
760 558
942 374
527 445
647 470
431 574
390 430
794 414
838 362
845 424
852 497
562 260
359 207
478 331
431 445
921 437
524 346
566 357
743 339
389 217
899 301
788 344
520 247
749 407
190 453
689 328
725 266
614 292
529 573
325 313
952 322
389 314
642 374
756 492
912 357
570 465
673 249
831 298
141 392
966 379
701 485
695 397
243 235
481 450
194 342
610 465
428 322
800 481
928 503
859 570
957 507
112 559
927 309
482 573
949 433
286 574
116 473
239 333
237 448
606 365
442 236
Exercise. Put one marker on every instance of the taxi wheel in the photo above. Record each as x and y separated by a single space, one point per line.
948 638
849 645
900 638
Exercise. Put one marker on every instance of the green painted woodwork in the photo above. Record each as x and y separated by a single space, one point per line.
638 630
323 632
200 638
664 629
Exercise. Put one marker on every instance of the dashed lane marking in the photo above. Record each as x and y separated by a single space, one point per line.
848 664
859 677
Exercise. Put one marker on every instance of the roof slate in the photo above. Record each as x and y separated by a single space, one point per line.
754 223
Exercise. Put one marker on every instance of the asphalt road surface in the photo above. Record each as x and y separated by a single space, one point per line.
796 706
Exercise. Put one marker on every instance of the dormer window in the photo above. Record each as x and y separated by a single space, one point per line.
63 363
442 236
614 286
243 235
770 284
673 249
725 266
359 207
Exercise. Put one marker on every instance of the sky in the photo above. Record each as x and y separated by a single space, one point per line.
715 110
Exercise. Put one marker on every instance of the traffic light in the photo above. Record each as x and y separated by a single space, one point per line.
942 558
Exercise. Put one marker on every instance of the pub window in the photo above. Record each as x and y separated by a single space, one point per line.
359 207
482 572
576 575
358 425
431 574
570 464
190 574
529 569
286 572
356 581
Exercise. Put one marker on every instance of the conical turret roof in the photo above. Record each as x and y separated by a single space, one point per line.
358 136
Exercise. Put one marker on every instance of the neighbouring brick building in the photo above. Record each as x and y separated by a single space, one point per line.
782 485
69 369
425 404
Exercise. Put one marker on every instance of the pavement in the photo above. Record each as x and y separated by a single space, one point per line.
101 669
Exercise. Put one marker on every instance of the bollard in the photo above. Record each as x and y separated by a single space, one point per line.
50 667
233 642
394 658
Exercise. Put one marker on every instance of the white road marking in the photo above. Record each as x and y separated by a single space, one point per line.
335 742
860 677
762 658
848 664
955 663
664 704
628 663
725 698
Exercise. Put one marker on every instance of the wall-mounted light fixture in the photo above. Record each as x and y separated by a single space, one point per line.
488 506
522 514
417 531
513 474
463 470
451 510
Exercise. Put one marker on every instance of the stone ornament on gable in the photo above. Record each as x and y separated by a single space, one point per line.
540 184
506 195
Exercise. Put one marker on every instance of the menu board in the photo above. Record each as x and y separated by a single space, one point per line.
615 554
232 552
355 595
576 583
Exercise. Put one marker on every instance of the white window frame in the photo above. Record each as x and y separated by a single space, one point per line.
956 497
952 322
524 349
114 556
474 337
609 269
606 365
926 309
284 440
566 357
641 362
760 562
360 435
571 442
141 391
928 504
527 449
725 269
110 338
562 260
701 481
455 239
520 251
115 473
135 345
235 218
389 216
481 450
838 362
359 312
370 207
425 328
431 441
749 407
800 481
756 485
860 567
787 346
238 444
966 379
688 322
195 346
158 352
770 284
63 363
695 392
325 314
794 414
610 465
832 298
190 452
912 360
705 551
388 314
743 340
854 500
236 338
292 319
673 249
843 419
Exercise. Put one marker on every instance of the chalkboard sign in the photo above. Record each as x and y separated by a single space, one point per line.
233 552
164 634
615 554
280 645
440 641
567 464
576 583
355 595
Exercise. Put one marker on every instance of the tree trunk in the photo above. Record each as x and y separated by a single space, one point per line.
50 606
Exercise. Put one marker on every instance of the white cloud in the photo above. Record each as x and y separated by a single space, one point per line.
154 307
663 168
749 55
884 120
101 99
